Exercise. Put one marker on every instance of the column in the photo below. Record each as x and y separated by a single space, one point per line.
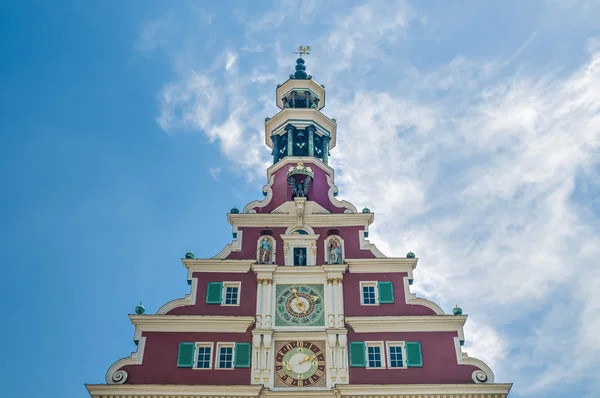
306 97
259 309
311 137
325 149
329 302
269 306
335 302
265 303
290 131
275 138
340 301
293 99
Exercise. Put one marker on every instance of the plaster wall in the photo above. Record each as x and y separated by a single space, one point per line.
439 361
352 295
160 361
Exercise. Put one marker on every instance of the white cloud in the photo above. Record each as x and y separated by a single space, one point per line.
153 34
215 172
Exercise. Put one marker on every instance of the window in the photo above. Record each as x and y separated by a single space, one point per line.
375 293
375 355
368 293
203 356
223 293
396 355
231 293
225 356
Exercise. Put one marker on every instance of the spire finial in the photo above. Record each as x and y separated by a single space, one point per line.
300 68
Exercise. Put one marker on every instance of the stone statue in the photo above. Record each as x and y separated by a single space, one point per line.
335 252
264 251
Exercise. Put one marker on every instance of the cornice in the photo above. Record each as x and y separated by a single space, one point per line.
171 391
425 390
314 220
381 264
216 265
191 323
425 323
299 117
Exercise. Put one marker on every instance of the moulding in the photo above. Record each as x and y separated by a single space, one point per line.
135 358
188 299
285 220
191 323
381 264
412 299
212 265
234 246
300 84
422 323
425 390
464 359
300 117
366 245
267 199
172 391
310 207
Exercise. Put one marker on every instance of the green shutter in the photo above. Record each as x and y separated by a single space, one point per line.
414 357
214 292
242 355
185 358
357 354
386 292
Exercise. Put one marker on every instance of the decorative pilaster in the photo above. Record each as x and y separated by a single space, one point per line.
311 138
329 301
269 307
333 359
340 300
290 140
325 149
259 303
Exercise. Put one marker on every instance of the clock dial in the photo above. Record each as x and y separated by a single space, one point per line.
299 305
300 364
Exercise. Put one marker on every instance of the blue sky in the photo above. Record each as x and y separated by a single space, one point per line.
470 128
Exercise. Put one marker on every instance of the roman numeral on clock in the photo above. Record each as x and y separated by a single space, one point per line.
281 373
288 381
319 373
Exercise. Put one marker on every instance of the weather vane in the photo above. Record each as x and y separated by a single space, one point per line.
303 50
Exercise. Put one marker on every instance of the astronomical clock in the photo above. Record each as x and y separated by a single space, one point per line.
299 305
300 364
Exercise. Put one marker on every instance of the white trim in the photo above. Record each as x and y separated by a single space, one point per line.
409 323
300 84
218 355
285 220
366 245
210 359
299 118
213 265
362 296
310 207
234 246
191 323
340 390
135 358
390 344
424 390
412 299
227 284
308 242
267 199
189 299
463 358
381 265
306 228
381 346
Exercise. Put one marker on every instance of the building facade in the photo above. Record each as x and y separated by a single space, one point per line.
300 303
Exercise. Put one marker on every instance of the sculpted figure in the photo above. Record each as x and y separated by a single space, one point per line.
335 252
264 251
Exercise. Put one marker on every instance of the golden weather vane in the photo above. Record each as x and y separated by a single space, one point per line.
303 50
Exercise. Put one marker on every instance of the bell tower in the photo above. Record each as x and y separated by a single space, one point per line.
300 129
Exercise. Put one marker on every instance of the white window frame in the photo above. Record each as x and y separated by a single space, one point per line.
362 296
218 355
390 344
381 346
224 293
210 360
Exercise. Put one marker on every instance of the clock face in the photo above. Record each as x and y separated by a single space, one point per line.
300 364
299 305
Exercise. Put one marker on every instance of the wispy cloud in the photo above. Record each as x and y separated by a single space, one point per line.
153 34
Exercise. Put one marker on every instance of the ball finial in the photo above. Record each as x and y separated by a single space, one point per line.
190 255
140 309
366 210
410 255
457 310
234 210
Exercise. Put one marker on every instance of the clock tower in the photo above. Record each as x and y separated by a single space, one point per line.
300 303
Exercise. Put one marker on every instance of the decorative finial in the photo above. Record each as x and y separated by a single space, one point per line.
140 309
410 255
366 210
457 310
190 255
303 50
234 210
